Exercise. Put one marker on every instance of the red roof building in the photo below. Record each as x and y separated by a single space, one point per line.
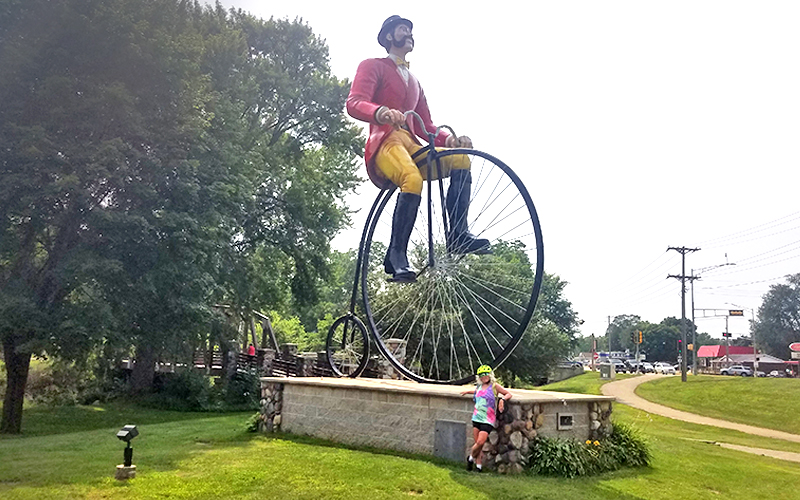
718 351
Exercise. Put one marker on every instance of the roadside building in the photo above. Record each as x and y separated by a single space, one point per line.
712 358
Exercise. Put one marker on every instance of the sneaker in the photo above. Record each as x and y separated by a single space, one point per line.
469 464
478 469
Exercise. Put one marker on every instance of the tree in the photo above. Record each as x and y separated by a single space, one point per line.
156 157
547 339
778 321
618 333
660 341
93 114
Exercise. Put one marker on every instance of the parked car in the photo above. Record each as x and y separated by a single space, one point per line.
776 374
618 364
664 368
570 363
639 367
739 370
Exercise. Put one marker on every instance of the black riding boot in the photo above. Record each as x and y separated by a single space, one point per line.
460 241
396 261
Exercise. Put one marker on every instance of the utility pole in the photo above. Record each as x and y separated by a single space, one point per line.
683 251
694 326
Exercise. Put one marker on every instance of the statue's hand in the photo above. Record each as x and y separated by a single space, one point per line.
393 116
460 142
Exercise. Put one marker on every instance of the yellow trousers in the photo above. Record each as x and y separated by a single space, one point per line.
395 163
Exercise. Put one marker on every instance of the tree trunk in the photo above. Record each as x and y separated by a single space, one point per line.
144 370
17 366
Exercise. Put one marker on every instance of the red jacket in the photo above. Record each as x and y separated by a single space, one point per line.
378 83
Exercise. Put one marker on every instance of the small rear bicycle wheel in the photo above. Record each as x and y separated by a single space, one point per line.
347 346
464 310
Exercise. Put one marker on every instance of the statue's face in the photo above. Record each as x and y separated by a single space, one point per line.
401 37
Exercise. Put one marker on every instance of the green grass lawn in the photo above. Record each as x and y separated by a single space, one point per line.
72 453
773 403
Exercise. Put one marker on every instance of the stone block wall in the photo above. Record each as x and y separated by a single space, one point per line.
383 419
404 417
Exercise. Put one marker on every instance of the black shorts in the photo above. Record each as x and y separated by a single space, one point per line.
483 427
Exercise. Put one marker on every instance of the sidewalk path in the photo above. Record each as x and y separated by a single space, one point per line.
623 390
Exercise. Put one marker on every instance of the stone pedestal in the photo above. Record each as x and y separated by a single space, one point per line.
123 473
427 418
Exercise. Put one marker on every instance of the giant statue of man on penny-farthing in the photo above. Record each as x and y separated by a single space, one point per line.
382 91
464 216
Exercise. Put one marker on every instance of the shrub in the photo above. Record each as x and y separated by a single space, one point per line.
628 447
190 390
242 392
252 422
186 390
54 382
570 458
558 457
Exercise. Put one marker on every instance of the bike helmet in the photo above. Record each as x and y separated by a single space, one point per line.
484 370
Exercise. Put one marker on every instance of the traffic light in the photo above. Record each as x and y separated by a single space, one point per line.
690 347
640 336
680 344
633 337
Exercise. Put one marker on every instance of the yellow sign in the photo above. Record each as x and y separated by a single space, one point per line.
690 347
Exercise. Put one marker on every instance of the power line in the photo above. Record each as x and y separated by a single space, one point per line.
714 242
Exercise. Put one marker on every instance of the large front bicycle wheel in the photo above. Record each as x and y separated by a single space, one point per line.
464 310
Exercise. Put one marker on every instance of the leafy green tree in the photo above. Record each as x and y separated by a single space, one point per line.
548 338
778 321
157 157
287 110
618 333
660 341
97 102
335 290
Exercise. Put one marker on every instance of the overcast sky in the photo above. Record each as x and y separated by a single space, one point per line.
636 126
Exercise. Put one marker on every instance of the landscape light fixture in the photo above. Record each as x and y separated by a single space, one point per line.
127 470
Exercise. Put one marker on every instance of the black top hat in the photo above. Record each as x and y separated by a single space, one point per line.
388 25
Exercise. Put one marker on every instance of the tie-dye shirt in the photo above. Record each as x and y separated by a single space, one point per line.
485 404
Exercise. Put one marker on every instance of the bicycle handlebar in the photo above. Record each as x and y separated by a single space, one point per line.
422 124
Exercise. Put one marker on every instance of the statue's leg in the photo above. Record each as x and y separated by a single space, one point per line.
394 161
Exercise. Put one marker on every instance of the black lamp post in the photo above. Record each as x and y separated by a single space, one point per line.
127 470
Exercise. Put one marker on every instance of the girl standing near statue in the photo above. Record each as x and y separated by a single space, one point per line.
489 397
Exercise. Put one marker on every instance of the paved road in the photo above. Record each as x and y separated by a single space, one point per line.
624 389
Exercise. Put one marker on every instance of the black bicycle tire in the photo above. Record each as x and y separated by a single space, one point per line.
535 289
364 338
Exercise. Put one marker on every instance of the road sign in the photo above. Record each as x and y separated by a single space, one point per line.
795 355
794 346
735 312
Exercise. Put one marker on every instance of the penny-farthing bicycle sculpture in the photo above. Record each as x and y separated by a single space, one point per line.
464 310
